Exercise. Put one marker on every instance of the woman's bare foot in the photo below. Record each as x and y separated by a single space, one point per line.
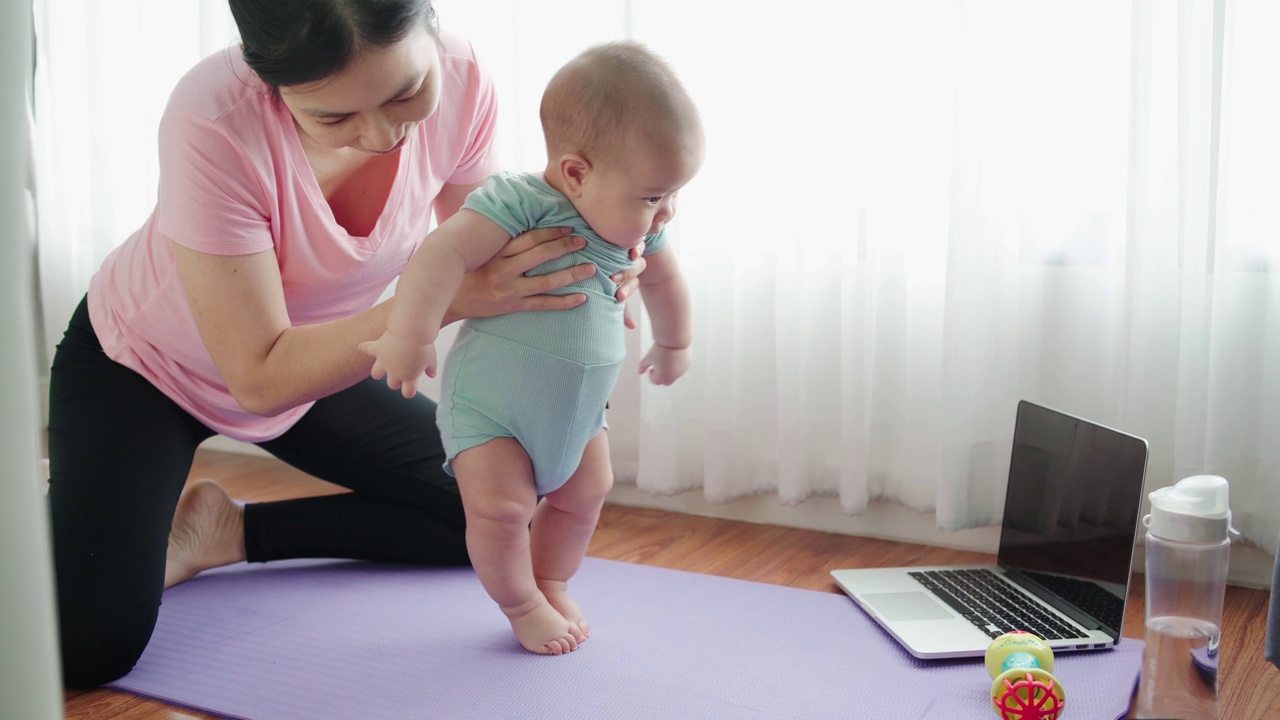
557 593
540 628
208 532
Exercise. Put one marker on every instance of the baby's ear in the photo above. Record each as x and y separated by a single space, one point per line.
574 169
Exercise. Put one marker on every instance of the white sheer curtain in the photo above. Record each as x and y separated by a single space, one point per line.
912 214
103 75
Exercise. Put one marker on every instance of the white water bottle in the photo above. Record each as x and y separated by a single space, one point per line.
1188 549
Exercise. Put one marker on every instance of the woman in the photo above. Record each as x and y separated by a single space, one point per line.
297 175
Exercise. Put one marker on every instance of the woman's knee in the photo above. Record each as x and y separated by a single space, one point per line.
106 610
99 647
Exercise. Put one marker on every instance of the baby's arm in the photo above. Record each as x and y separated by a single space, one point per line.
666 298
426 288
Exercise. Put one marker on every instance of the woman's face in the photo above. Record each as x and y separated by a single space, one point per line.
375 102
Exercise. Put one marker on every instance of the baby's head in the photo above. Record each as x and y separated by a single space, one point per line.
623 137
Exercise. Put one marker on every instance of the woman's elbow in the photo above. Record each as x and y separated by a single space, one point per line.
257 400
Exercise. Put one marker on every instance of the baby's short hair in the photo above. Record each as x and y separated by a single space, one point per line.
613 96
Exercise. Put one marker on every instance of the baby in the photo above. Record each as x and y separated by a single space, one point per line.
523 398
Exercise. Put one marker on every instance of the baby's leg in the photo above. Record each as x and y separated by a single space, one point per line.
563 524
496 482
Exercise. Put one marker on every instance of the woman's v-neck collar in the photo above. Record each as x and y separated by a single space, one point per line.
298 155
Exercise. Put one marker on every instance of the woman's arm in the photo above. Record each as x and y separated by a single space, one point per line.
268 364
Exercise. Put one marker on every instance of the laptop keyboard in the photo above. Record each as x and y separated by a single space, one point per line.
1085 595
993 605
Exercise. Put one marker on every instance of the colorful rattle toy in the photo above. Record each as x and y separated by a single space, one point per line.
1024 687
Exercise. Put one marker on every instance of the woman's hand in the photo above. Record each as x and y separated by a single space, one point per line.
499 286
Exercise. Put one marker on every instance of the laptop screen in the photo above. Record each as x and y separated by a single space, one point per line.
1071 512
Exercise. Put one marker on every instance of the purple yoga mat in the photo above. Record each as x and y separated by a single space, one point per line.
338 639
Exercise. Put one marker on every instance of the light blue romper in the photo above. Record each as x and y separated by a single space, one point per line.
542 376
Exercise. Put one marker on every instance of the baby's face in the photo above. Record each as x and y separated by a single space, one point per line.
635 195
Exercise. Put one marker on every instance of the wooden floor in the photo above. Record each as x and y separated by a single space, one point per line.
1249 686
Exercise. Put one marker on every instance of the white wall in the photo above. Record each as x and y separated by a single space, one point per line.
29 677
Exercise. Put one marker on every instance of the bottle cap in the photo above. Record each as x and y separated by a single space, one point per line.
1192 510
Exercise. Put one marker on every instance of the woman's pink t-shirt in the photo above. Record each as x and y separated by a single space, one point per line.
234 180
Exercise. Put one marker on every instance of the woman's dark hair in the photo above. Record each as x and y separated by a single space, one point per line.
293 42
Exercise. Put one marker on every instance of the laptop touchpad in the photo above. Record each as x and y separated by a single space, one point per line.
906 606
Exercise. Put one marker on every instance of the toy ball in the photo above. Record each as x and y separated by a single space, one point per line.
1018 649
1024 689
1027 694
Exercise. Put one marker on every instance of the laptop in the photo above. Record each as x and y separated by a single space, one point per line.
1066 542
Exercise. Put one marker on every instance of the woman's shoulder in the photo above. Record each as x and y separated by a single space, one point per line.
455 48
222 134
459 136
219 84
462 67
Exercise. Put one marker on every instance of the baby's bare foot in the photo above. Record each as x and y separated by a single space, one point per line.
208 532
541 628
557 592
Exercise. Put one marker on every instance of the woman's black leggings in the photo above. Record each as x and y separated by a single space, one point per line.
120 451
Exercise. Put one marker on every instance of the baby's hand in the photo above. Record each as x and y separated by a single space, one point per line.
665 365
401 361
